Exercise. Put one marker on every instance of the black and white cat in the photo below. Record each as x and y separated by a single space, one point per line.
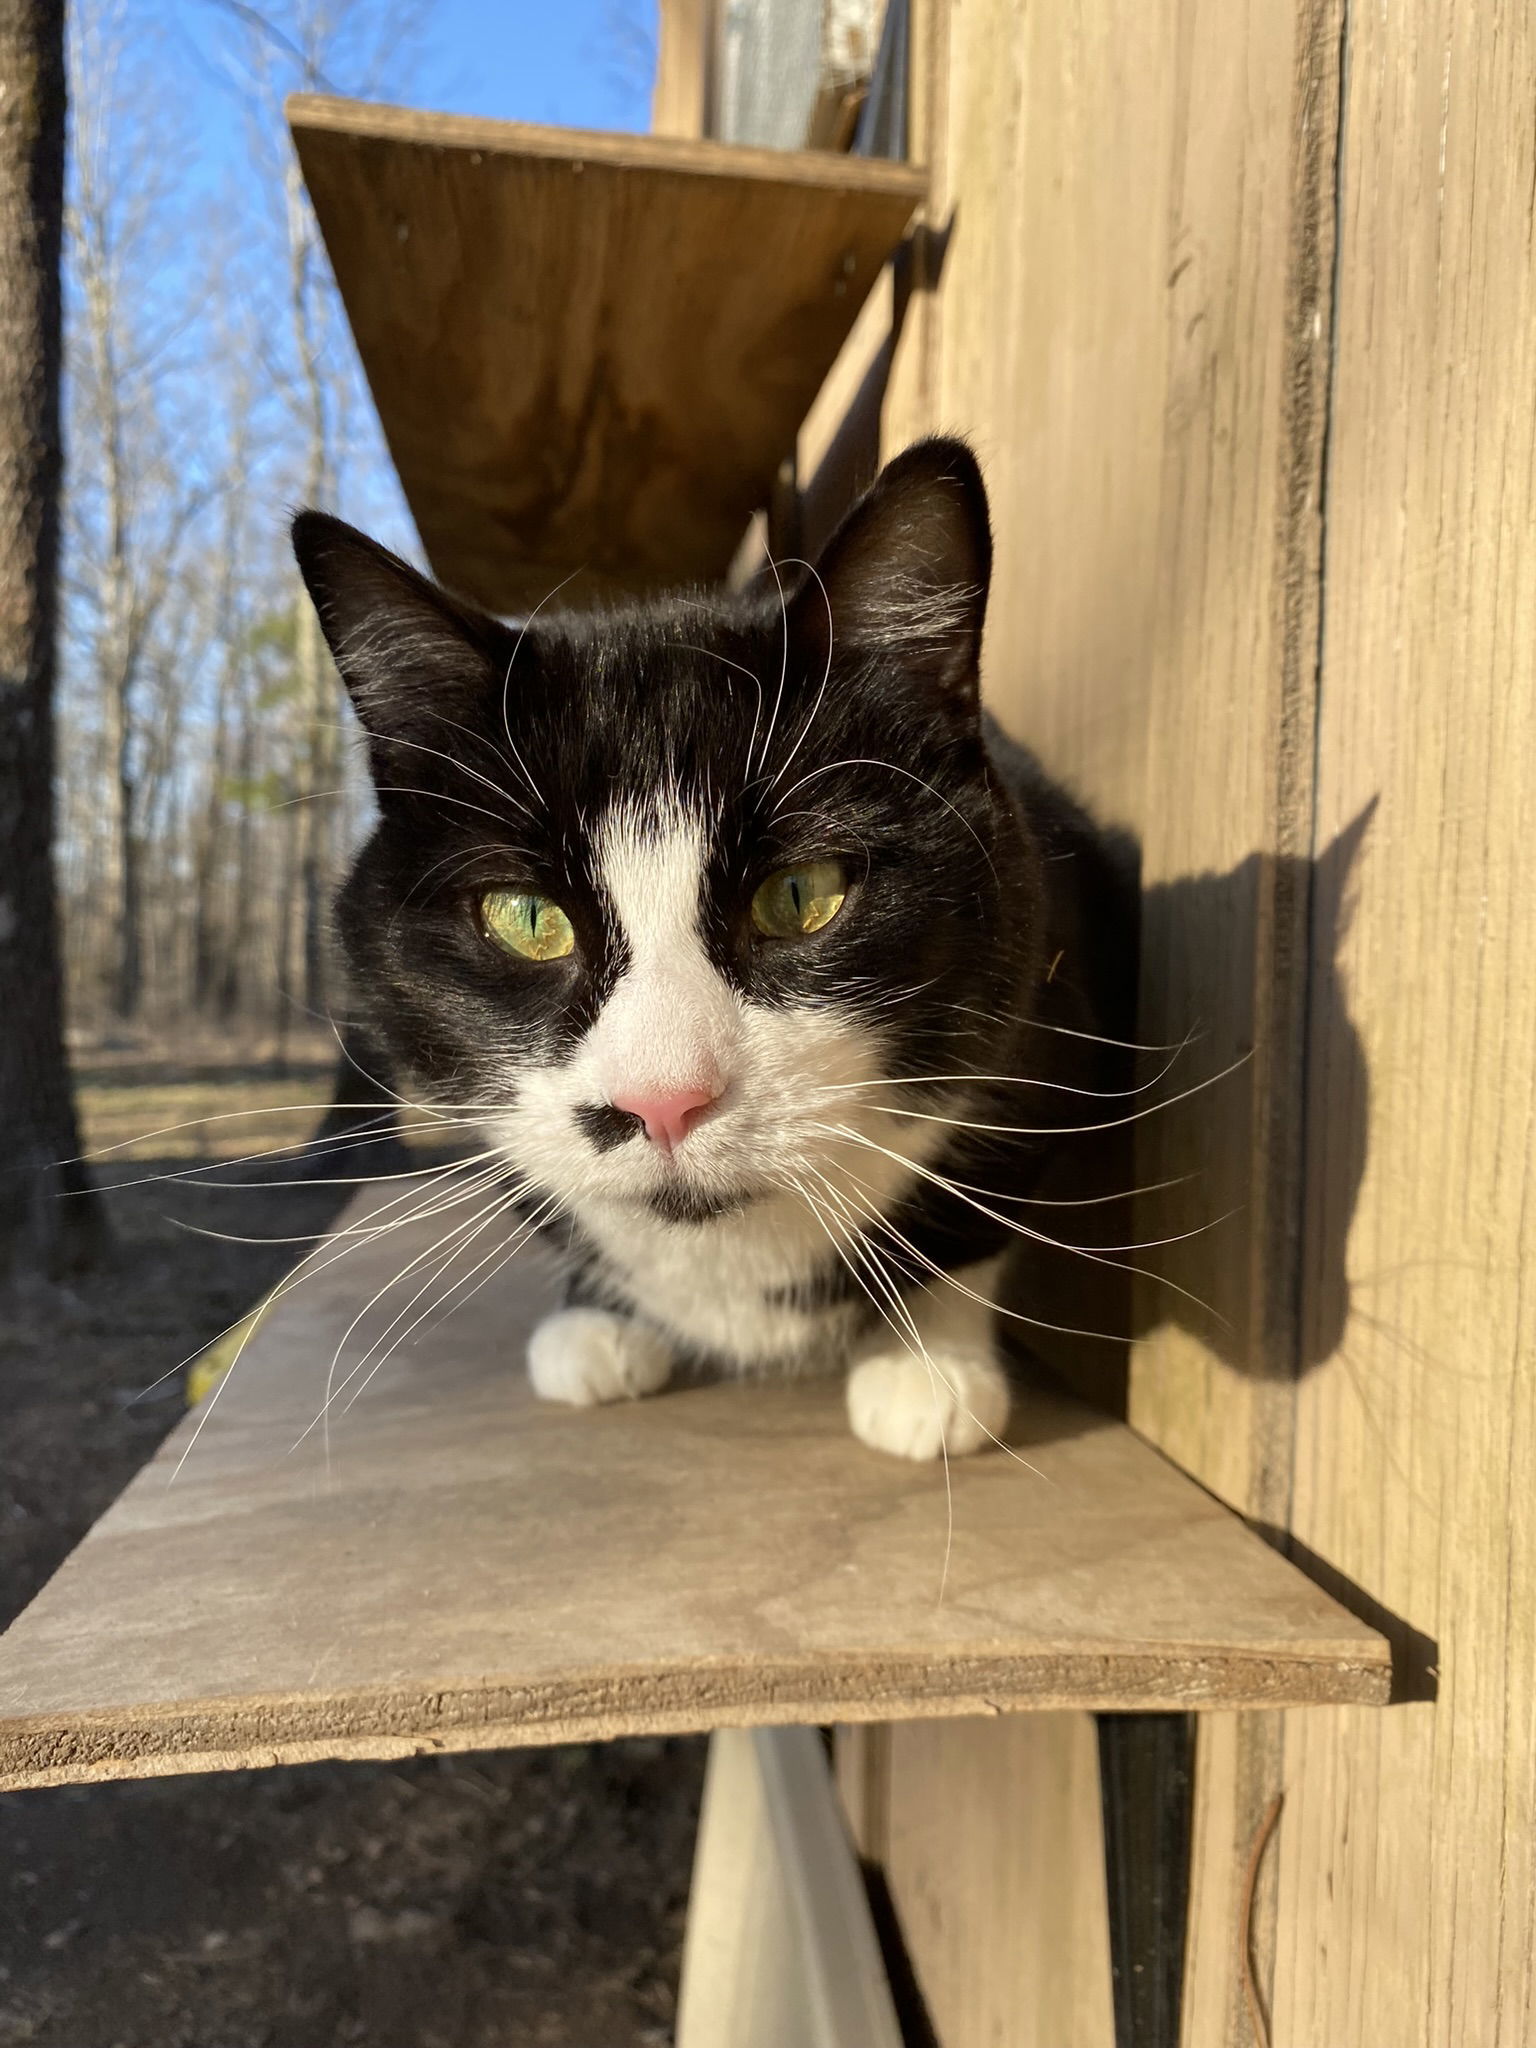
770 966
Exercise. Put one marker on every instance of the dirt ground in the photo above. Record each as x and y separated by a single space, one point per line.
533 1897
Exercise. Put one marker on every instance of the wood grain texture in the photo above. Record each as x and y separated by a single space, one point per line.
479 1569
1004 1922
1335 716
1128 250
1407 1853
1227 881
589 353
685 67
1037 327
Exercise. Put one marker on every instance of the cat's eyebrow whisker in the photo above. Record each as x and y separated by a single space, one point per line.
714 654
773 716
506 681
466 860
893 768
397 739
435 796
796 561
480 740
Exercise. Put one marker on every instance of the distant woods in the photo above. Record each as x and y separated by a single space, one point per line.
208 793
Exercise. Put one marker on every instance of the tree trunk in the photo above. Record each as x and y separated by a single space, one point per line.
211 834
39 1234
232 981
130 956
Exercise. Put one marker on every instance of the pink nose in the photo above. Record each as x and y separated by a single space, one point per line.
669 1117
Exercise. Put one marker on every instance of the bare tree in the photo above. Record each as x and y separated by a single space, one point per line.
133 503
210 384
37 1122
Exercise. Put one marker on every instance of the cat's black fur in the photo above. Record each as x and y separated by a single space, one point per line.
988 921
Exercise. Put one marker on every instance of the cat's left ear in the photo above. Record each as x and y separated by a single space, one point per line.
409 654
906 575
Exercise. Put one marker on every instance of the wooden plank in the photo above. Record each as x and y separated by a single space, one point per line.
589 353
1004 1923
780 1945
1140 353
1037 326
477 1569
1406 1855
685 67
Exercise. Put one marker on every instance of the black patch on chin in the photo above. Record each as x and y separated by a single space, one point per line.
678 1204
607 1126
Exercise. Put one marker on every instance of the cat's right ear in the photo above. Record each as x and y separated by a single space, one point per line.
904 579
409 654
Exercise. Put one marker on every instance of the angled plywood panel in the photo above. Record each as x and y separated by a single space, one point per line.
475 1569
590 353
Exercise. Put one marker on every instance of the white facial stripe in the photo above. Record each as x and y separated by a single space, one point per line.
671 1022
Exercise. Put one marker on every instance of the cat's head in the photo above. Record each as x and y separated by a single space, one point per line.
663 895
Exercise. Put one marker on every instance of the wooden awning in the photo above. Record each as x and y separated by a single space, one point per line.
590 353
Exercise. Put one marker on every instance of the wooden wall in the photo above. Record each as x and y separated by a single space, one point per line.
1236 299
1415 1440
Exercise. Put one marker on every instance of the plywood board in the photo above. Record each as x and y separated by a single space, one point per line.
477 1569
590 353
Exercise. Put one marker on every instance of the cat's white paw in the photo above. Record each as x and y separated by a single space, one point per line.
896 1404
585 1355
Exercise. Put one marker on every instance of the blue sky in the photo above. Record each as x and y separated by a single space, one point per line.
570 63
535 60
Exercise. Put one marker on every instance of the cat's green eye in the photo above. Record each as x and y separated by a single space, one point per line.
798 901
532 927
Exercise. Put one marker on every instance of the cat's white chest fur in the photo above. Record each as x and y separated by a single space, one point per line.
725 1287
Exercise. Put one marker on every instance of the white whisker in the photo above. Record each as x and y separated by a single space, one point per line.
962 1288
1070 1130
892 768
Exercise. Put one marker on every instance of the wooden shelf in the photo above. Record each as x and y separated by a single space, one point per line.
479 1570
590 353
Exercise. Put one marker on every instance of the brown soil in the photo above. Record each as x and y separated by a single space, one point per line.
526 1897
